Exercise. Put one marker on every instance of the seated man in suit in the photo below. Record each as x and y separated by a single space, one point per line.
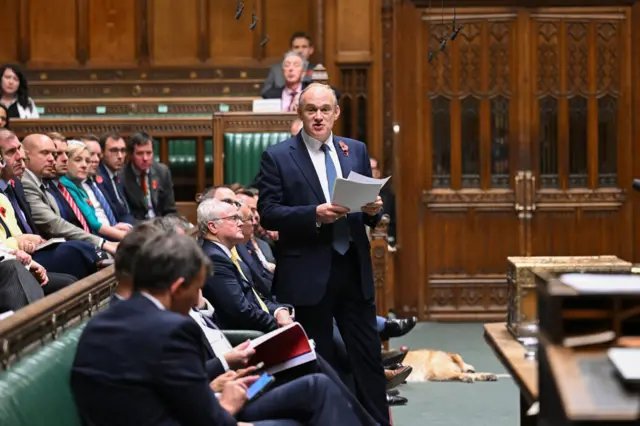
260 247
148 187
145 358
231 290
262 278
300 43
114 151
293 67
39 192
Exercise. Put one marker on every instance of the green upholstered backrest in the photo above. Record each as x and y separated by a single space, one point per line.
242 153
36 391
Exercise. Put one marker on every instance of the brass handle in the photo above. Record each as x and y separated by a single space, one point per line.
519 180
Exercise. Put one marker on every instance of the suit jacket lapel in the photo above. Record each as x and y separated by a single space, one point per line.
345 164
132 187
153 177
303 160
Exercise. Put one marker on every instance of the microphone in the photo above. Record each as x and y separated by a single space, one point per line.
636 184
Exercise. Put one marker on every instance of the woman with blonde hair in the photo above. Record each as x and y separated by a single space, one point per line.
77 174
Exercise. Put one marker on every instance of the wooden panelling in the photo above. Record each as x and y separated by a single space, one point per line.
353 40
525 147
173 32
52 35
279 26
128 33
112 33
11 30
231 40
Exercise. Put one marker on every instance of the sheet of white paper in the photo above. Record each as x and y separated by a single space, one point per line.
357 190
625 361
602 283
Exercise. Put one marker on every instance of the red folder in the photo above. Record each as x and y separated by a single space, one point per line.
284 348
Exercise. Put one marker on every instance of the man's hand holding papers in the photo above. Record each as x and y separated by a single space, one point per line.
359 193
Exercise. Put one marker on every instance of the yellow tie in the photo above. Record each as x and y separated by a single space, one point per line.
235 258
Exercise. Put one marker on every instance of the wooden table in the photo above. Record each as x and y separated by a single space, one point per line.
580 386
524 372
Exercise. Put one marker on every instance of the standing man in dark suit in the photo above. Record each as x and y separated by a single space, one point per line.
148 187
114 151
142 361
324 261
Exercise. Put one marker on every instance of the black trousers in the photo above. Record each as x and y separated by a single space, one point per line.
356 320
18 287
312 400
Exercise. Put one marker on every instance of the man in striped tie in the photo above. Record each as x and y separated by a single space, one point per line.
40 195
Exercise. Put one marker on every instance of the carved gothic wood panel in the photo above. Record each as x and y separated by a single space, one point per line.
517 140
582 142
470 140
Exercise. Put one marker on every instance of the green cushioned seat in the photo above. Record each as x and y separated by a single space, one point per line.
242 153
36 390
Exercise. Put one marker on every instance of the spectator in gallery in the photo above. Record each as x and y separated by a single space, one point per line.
300 43
15 94
4 117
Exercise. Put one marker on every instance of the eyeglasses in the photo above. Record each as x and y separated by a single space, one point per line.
234 218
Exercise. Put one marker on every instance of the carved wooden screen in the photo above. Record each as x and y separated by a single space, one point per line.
528 146
470 131
581 138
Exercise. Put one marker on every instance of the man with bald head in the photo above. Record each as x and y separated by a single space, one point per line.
323 256
39 190
77 258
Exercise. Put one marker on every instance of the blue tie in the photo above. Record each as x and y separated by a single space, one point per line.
341 226
103 202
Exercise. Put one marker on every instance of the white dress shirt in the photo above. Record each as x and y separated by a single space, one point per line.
97 207
317 158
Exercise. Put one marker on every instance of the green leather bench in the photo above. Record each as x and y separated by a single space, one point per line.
242 152
36 392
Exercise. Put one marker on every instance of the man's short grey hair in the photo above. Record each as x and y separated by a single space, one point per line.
171 223
315 86
292 53
209 210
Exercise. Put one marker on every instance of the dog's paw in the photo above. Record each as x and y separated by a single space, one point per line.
468 368
466 379
490 377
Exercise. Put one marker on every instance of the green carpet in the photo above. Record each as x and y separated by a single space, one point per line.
457 404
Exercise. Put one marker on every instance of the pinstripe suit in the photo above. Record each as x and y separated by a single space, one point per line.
18 287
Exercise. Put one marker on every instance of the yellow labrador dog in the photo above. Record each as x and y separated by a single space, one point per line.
439 366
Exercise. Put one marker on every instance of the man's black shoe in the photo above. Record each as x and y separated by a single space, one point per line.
397 327
396 400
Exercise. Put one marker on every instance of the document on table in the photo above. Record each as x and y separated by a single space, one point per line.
356 191
602 283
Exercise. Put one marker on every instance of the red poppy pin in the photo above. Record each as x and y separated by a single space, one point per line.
3 211
154 184
344 148
13 184
99 179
